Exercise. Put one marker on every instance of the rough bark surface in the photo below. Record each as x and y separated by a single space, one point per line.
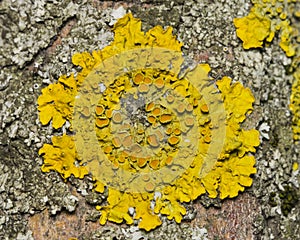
36 45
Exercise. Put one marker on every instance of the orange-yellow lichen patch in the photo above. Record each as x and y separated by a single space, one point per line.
177 131
195 102
149 107
159 83
153 140
169 160
121 158
173 140
204 108
165 118
169 131
156 111
138 78
149 120
147 80
207 139
102 122
142 162
154 164
117 117
109 113
108 149
100 110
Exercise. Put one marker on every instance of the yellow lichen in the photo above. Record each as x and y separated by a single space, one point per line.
264 19
132 139
99 110
286 39
175 129
295 166
295 103
277 16
56 102
61 156
230 177
252 29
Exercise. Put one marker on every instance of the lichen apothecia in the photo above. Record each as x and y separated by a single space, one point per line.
152 134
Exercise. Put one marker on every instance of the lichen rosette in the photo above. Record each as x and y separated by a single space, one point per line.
152 132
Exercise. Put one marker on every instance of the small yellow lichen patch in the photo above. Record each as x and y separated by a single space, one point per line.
61 157
295 166
253 29
115 211
295 103
56 102
169 206
286 39
99 187
264 19
149 220
233 174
